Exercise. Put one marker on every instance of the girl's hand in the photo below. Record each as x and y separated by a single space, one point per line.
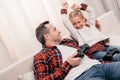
75 6
64 5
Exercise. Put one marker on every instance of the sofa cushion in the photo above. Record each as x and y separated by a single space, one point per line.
27 76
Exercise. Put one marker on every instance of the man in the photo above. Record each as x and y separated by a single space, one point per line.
58 59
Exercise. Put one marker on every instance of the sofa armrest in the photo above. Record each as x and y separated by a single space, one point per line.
18 68
109 23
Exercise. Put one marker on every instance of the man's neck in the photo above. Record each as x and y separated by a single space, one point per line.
51 43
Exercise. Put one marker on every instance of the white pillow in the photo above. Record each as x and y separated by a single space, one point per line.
27 76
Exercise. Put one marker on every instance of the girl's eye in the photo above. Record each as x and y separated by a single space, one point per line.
79 22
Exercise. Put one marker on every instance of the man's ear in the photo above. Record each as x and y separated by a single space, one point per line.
46 36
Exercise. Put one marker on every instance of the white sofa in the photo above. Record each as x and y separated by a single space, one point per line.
109 25
13 71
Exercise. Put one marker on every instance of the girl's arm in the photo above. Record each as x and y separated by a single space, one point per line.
67 22
69 26
91 18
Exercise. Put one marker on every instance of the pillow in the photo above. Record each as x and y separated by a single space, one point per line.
27 76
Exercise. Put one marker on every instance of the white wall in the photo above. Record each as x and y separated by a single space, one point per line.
5 58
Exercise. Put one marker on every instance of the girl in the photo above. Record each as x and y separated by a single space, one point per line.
84 31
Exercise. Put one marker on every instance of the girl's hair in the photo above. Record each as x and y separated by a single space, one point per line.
78 13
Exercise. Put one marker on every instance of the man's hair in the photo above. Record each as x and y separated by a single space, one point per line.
40 31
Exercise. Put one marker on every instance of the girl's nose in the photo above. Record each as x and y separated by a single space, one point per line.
58 31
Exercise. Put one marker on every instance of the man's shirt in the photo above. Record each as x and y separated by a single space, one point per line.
48 63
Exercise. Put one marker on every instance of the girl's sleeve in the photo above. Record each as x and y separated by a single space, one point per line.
69 26
91 18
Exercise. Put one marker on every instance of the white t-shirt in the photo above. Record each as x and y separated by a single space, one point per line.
89 35
86 35
85 64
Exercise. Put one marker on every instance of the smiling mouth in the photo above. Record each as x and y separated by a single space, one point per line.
78 27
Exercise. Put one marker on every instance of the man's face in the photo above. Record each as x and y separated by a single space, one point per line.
77 22
54 34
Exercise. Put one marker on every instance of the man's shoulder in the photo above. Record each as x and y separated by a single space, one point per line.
40 54
45 53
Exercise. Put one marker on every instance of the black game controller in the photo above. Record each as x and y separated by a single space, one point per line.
83 50
109 55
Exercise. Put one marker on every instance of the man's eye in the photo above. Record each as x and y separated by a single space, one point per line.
54 29
74 24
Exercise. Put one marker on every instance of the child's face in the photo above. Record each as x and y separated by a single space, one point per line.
78 22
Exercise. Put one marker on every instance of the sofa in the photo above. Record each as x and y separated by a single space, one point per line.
22 69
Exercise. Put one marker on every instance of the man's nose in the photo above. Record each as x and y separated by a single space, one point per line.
58 31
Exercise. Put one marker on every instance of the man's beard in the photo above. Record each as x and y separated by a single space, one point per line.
58 40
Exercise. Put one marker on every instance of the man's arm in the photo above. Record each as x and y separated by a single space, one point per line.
42 69
95 48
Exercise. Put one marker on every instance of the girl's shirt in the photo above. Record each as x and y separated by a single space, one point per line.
90 35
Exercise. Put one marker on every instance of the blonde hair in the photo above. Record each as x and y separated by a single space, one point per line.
78 13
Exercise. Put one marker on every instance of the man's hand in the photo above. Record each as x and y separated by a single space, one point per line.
74 61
